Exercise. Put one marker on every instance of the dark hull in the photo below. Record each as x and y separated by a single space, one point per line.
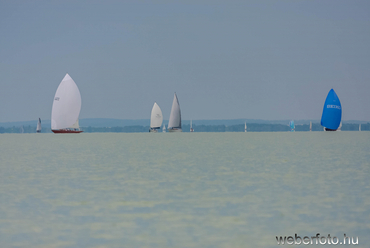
328 129
66 131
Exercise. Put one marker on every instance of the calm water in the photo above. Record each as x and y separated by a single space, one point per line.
182 189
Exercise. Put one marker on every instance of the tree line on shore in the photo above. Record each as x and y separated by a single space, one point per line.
251 127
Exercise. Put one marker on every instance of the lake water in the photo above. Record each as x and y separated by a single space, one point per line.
182 189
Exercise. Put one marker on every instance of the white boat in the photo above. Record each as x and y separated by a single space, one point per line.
156 118
66 107
21 130
191 126
38 128
174 123
245 127
310 125
164 128
359 127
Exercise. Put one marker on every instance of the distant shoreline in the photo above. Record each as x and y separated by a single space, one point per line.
132 127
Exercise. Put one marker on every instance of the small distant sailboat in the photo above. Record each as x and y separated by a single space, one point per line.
359 127
245 127
164 128
38 128
191 126
21 130
340 127
156 118
291 125
66 107
174 123
310 125
332 112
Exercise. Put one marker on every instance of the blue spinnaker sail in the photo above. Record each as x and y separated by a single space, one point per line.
332 112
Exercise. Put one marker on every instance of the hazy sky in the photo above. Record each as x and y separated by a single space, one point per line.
225 59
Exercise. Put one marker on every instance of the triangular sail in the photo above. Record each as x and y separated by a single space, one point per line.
175 116
156 117
332 111
38 128
76 125
340 127
66 105
164 128
310 125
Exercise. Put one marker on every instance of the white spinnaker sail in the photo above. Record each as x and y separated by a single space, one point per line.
38 128
175 116
156 117
66 105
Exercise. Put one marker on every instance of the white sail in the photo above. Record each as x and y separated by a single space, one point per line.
66 105
164 128
310 125
38 128
76 125
359 127
156 117
245 127
175 116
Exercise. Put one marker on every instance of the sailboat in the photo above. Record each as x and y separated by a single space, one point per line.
291 125
310 125
164 128
156 119
245 127
191 126
38 128
332 112
174 123
340 127
359 127
66 107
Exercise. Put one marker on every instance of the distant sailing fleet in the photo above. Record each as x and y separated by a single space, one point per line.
67 106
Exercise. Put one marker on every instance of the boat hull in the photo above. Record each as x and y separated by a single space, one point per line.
328 129
66 131
154 129
175 130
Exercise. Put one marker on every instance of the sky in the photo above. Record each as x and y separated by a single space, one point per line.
271 60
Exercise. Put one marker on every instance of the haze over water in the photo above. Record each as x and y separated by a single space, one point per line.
182 189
